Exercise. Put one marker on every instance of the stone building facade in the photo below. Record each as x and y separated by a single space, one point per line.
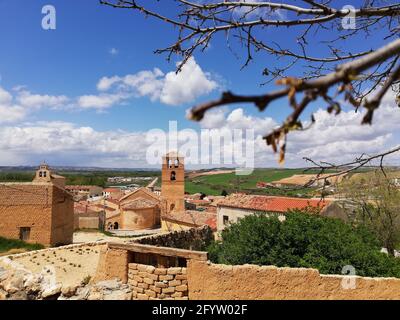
140 209
37 212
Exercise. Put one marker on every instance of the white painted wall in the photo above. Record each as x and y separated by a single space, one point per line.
234 214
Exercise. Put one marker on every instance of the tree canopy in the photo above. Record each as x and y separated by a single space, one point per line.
303 240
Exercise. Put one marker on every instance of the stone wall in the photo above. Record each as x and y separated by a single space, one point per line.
193 239
149 282
139 219
249 282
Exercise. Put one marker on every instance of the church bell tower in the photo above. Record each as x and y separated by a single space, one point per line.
173 183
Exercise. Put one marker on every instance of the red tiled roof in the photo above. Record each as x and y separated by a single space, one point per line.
112 190
112 200
78 187
100 206
271 203
198 201
140 203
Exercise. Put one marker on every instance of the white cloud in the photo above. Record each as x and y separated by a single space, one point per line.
65 143
171 88
99 102
10 112
333 138
105 83
113 51
144 83
187 85
29 100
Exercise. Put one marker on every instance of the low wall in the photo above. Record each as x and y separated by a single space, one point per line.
88 223
150 283
193 239
115 258
213 281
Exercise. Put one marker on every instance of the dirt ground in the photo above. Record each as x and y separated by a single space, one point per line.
71 264
208 173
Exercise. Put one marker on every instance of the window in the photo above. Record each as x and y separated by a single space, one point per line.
173 175
40 174
44 173
176 163
24 233
225 220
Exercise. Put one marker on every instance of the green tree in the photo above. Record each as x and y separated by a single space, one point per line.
303 240
374 201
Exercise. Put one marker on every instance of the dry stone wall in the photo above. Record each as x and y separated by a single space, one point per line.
193 239
151 283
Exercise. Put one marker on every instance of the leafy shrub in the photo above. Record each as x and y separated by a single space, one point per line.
303 240
8 244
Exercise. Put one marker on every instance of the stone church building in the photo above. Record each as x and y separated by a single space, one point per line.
144 209
40 211
140 209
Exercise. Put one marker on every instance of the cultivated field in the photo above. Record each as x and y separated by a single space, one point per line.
214 184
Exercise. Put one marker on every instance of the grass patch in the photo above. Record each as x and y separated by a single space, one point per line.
10 244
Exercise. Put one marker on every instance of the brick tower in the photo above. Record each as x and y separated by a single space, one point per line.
173 183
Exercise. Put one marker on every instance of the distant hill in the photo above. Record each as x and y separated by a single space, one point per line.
72 168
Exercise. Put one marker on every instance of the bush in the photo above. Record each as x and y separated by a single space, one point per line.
303 240
8 244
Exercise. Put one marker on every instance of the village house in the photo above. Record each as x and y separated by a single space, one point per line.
85 192
86 218
40 211
237 206
113 193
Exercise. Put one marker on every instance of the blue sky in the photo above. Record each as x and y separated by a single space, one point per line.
93 41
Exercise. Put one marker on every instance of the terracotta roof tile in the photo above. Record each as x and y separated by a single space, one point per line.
140 203
271 203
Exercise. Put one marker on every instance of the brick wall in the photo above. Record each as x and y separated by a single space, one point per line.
44 208
149 282
62 217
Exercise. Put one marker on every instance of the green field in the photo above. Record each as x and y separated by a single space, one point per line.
97 178
214 184
208 184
